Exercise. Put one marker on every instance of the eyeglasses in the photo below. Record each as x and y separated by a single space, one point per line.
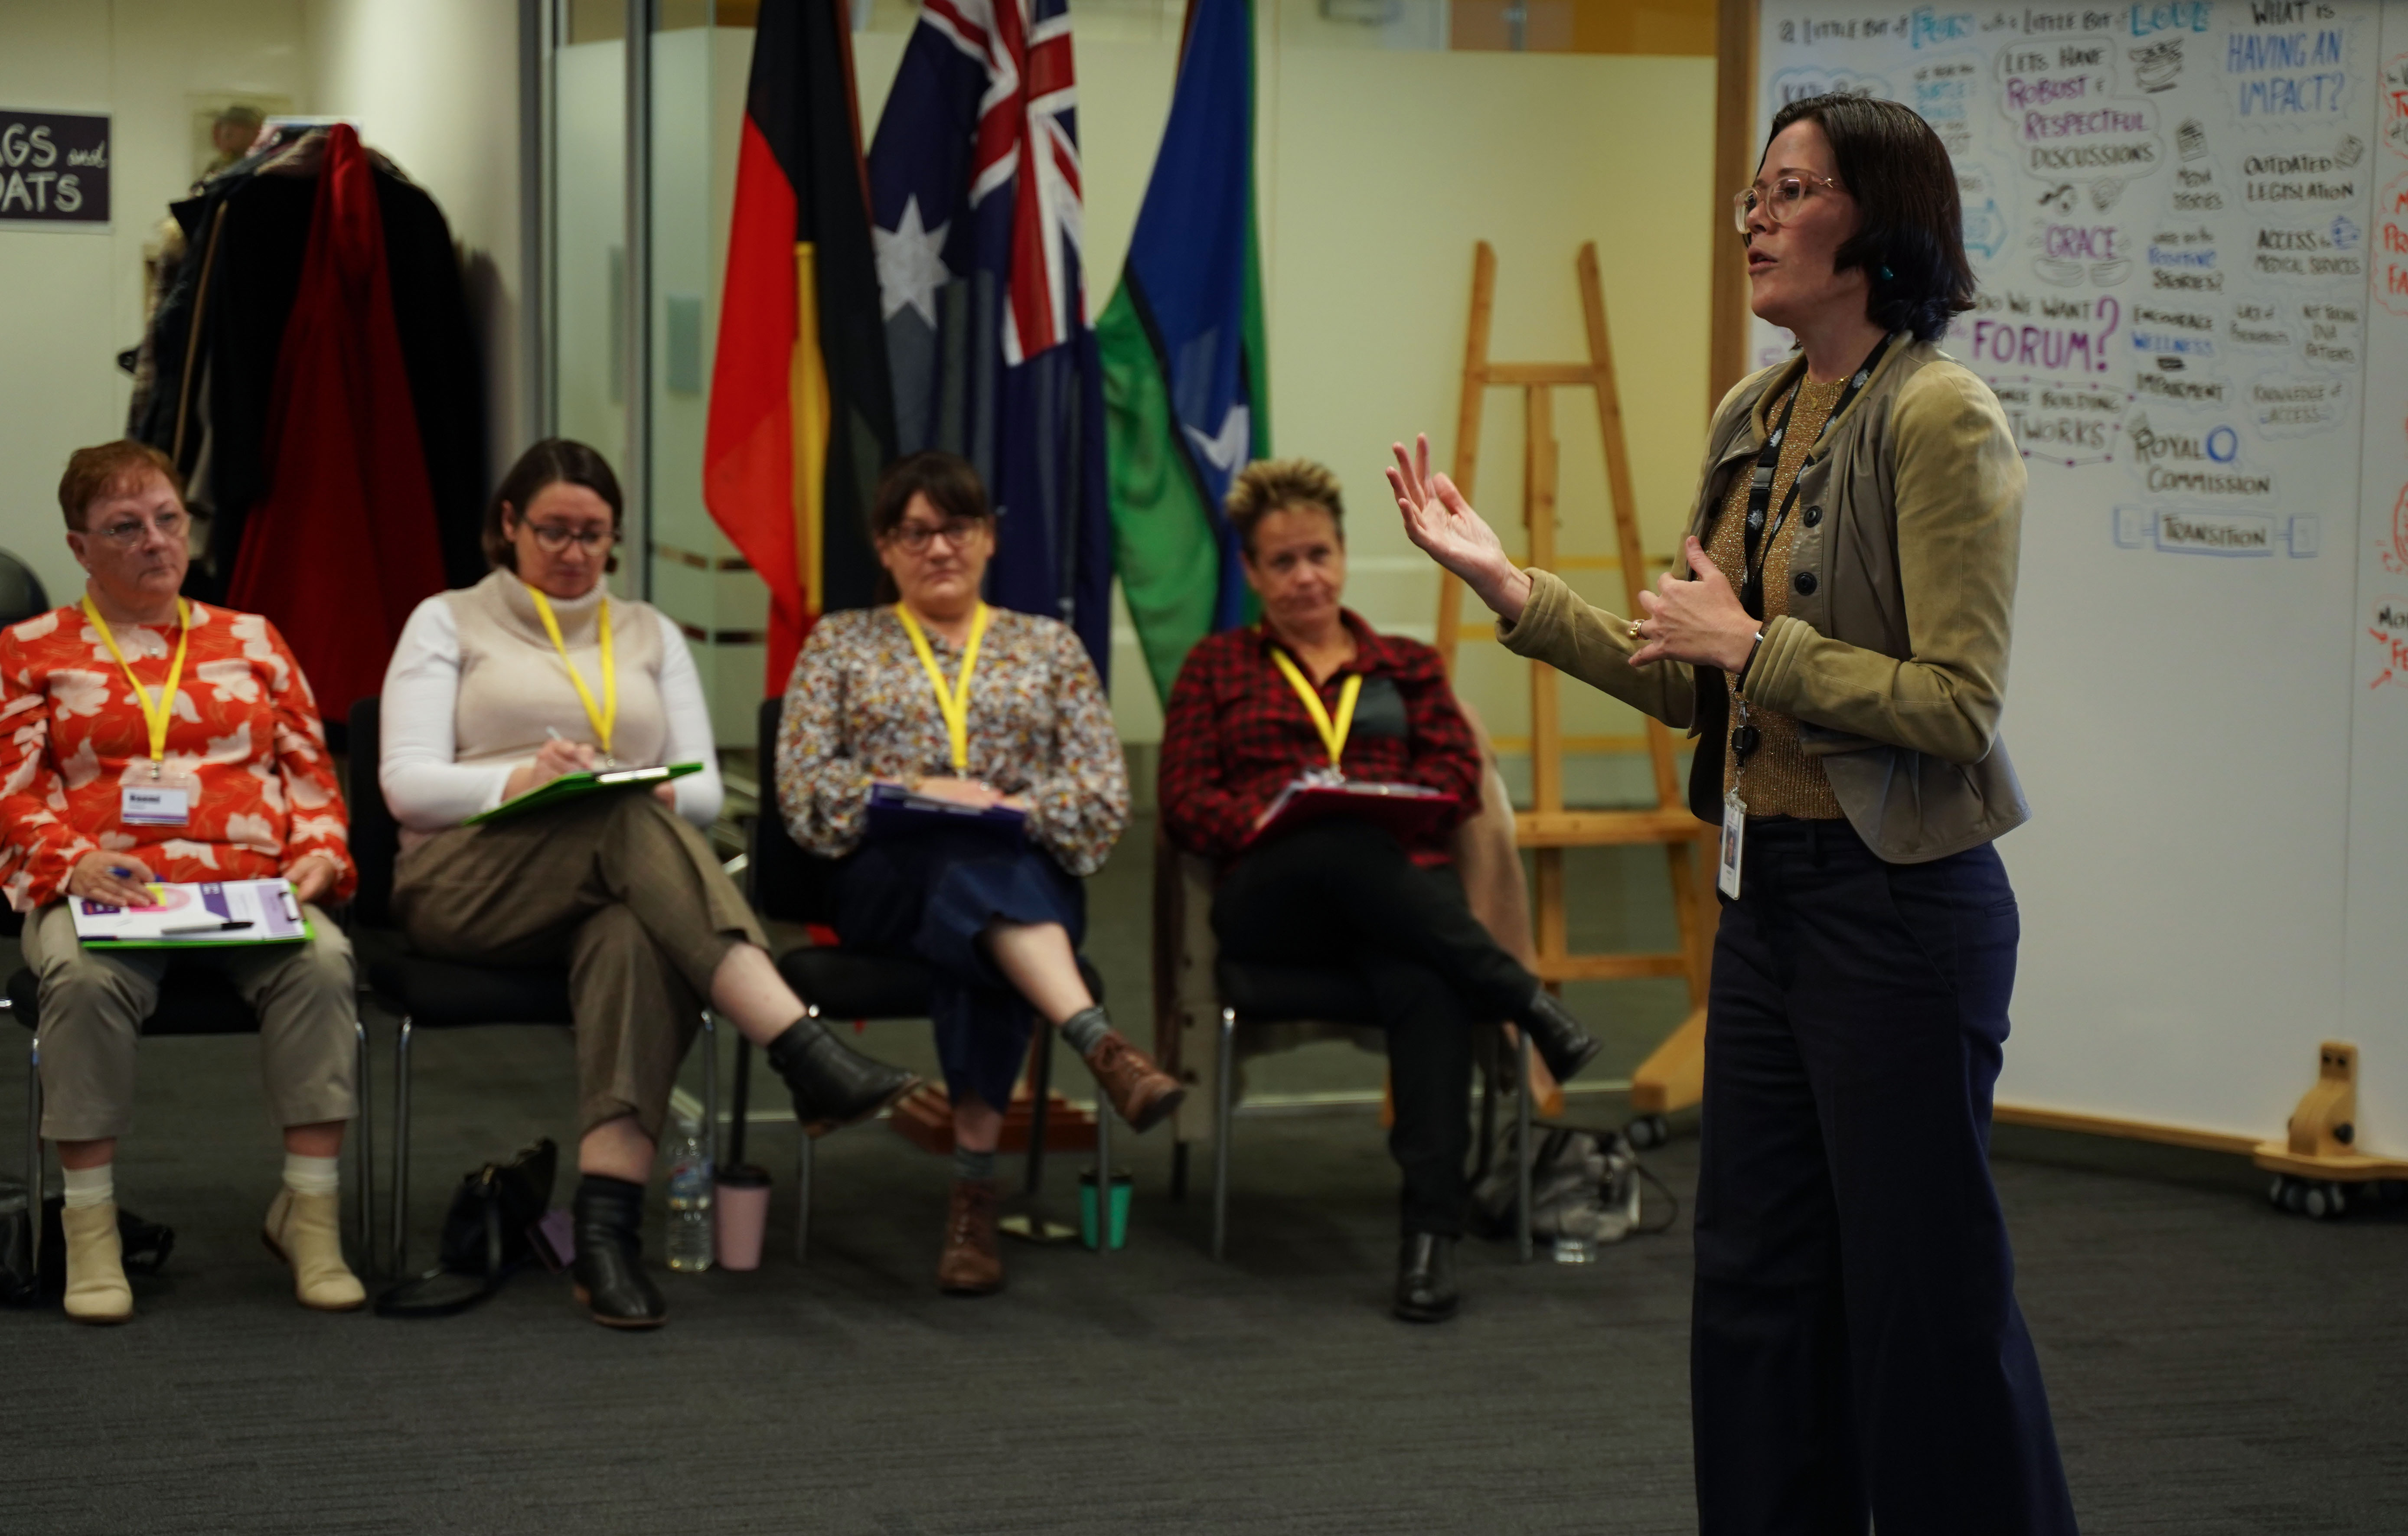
1780 201
132 530
916 537
552 538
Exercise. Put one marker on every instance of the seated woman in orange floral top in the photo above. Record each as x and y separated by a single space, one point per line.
199 723
939 693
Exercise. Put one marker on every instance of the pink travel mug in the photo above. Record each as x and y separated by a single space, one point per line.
742 1203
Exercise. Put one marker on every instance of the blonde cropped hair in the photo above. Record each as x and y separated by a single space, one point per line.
1274 486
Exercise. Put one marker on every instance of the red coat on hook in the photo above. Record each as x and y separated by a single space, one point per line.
344 546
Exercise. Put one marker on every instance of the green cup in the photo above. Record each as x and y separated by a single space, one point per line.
1121 1191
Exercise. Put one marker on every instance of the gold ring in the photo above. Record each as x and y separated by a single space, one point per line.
1634 629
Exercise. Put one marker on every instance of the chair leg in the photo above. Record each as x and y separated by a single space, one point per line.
33 1142
711 1088
1103 1171
1179 1151
803 1155
1224 1113
401 1149
802 1192
1485 1153
1526 1154
1040 1089
363 1151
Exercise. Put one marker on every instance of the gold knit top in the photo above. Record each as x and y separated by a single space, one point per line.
1782 778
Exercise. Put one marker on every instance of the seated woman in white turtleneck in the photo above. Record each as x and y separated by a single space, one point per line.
537 671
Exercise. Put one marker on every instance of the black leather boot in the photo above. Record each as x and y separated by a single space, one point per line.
1426 1278
1563 1043
609 1269
833 1084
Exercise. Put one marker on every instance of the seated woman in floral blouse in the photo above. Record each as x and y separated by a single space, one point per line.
152 738
939 693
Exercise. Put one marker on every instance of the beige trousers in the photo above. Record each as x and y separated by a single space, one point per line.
620 888
94 1002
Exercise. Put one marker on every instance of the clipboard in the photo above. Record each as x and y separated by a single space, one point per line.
1407 810
896 812
577 786
203 914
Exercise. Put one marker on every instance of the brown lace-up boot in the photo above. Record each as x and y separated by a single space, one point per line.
972 1263
1142 1092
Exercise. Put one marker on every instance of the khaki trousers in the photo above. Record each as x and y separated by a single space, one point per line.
624 891
94 1002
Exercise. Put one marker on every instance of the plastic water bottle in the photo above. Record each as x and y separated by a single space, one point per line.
689 1193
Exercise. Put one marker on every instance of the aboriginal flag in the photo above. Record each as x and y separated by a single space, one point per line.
1186 388
802 416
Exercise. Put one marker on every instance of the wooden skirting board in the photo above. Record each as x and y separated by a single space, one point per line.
2136 1131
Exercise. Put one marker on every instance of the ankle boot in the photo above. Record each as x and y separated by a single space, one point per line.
305 1232
1142 1092
972 1262
833 1084
609 1269
1426 1291
96 1287
1563 1043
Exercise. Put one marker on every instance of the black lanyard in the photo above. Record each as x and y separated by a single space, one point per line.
1757 539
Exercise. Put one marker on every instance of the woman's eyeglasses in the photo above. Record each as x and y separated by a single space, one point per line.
552 538
1780 199
916 537
132 530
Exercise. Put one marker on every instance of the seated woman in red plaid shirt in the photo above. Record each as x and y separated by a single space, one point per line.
1344 891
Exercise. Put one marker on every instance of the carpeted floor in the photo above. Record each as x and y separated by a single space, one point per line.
2216 1367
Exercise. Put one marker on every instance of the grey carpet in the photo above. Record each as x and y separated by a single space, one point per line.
2216 1367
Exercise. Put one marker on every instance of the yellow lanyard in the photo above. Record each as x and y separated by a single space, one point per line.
155 718
607 715
953 704
1333 735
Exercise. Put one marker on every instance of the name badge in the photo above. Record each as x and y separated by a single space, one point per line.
154 805
1734 838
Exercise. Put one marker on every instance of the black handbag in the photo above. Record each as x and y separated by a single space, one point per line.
488 1236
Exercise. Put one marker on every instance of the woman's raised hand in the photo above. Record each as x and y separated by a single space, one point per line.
1443 523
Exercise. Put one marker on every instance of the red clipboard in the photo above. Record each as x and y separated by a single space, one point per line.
1407 810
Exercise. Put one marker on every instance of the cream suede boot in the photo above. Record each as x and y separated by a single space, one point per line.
305 1231
96 1287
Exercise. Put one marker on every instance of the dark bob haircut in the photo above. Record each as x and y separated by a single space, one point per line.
949 482
1911 241
555 460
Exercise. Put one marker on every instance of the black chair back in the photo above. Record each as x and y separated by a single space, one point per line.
376 837
21 591
788 883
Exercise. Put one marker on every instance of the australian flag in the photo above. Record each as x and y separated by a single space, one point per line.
974 191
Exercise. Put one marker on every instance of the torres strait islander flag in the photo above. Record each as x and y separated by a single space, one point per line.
801 413
1186 397
974 181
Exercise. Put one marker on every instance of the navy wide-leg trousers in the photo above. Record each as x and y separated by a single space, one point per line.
1857 1353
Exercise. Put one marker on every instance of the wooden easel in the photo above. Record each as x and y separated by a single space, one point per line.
1673 1077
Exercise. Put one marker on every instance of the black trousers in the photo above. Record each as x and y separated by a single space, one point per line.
1344 893
1856 1352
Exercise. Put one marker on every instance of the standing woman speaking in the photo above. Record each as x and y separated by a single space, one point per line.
1837 644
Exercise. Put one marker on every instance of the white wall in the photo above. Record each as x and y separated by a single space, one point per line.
435 85
70 301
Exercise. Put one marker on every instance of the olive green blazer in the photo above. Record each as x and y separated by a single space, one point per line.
1893 655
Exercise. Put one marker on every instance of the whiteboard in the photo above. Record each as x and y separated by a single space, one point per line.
2194 306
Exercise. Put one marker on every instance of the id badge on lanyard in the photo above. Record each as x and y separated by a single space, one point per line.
149 795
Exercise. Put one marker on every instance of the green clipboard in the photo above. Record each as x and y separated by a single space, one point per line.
577 786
